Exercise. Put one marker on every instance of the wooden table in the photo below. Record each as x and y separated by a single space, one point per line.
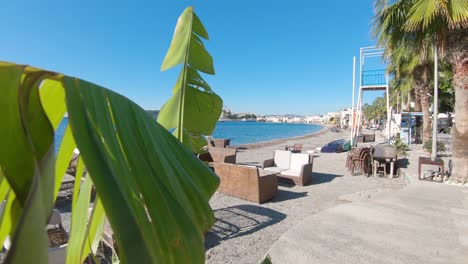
392 166
428 161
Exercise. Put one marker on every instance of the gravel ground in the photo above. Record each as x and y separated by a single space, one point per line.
244 231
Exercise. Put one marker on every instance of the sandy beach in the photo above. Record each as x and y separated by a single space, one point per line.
244 231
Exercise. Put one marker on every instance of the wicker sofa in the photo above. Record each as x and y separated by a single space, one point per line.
294 166
246 182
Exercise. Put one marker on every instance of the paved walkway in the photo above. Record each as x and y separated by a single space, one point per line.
424 222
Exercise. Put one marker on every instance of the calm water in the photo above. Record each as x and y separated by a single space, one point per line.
242 132
252 132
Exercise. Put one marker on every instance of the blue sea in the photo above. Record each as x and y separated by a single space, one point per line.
242 132
252 132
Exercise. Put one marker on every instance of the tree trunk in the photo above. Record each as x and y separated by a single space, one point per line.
423 95
457 49
427 122
417 101
408 105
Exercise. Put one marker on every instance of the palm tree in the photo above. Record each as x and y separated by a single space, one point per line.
412 71
444 23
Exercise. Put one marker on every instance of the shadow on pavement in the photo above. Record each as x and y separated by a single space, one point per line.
240 220
319 178
284 195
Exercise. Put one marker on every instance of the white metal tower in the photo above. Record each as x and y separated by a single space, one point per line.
370 79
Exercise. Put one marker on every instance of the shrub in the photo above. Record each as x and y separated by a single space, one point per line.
428 146
401 147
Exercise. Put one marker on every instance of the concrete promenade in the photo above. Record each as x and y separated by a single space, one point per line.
424 222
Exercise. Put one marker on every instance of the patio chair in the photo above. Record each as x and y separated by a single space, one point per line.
360 159
300 169
297 148
246 182
294 166
279 162
221 142
226 155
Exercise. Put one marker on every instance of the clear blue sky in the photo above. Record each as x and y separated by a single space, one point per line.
271 57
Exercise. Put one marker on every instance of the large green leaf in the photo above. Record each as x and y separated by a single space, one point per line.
9 215
14 141
95 229
81 198
187 30
202 114
28 167
154 191
194 108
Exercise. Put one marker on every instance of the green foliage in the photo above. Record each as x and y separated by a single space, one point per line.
266 260
446 91
435 16
194 108
428 146
154 191
240 116
377 110
400 147
249 116
27 163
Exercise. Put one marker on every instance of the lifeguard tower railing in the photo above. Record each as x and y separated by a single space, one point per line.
373 78
370 79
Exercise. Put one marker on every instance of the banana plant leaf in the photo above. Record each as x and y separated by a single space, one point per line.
154 191
194 108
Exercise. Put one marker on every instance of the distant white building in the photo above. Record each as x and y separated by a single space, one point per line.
331 118
317 119
345 117
295 119
273 119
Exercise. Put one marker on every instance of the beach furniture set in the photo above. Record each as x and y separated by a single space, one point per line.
259 184
372 160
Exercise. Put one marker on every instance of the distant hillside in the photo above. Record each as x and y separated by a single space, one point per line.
154 113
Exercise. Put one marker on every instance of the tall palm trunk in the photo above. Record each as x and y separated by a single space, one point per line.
408 104
427 122
417 101
457 49
423 93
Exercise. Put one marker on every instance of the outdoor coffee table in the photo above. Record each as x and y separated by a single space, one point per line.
428 161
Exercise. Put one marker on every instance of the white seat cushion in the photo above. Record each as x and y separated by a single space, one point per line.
291 173
297 160
282 159
273 169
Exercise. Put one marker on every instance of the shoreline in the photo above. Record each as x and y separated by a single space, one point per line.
268 143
